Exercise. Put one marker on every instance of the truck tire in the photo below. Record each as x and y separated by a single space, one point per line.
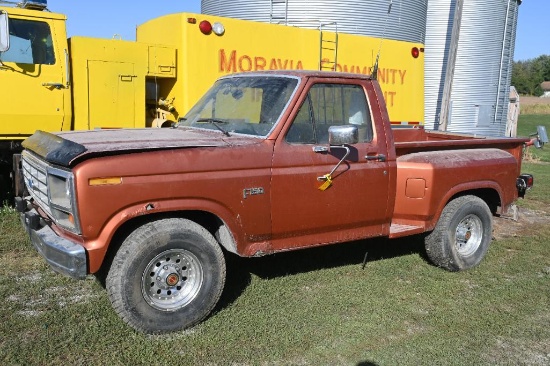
3 191
167 276
462 235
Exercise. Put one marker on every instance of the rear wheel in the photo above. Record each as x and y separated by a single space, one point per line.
462 235
167 275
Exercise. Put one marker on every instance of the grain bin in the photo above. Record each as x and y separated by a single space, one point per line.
484 56
406 22
480 85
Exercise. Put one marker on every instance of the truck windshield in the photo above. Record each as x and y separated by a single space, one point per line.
249 105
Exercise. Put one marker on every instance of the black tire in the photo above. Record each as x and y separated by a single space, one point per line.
4 191
462 235
167 276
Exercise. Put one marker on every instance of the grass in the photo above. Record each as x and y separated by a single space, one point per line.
540 107
534 105
527 125
537 161
535 109
311 307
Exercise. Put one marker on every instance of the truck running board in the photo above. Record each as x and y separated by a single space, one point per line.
397 231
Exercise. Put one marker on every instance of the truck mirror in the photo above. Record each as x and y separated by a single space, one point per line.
541 137
4 32
338 138
343 135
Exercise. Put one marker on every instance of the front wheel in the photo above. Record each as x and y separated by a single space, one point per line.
462 235
167 275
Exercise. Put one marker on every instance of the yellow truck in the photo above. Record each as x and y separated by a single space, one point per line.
52 83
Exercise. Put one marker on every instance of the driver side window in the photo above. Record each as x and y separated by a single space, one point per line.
30 43
330 105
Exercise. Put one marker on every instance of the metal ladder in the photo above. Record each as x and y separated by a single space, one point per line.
328 46
279 12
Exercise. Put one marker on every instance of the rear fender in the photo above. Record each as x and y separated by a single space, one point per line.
472 188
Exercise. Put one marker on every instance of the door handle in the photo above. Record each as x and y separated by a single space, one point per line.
53 85
377 157
127 77
320 149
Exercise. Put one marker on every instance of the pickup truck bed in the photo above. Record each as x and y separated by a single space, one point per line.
417 139
458 162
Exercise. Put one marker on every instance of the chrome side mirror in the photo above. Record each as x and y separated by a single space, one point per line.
541 137
4 32
343 135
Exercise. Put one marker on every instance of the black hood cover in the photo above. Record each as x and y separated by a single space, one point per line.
53 148
66 148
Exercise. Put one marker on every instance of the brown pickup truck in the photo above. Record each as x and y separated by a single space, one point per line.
263 163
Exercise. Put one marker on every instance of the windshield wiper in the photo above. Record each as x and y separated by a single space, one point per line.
215 122
177 124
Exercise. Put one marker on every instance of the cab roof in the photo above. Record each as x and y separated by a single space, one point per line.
305 74
31 13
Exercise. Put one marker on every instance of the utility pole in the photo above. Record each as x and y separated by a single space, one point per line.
450 69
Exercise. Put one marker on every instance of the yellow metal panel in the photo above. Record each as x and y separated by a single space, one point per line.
108 83
250 46
106 92
162 61
30 14
400 75
111 94
27 104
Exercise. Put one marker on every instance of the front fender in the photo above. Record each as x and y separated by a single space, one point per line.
98 247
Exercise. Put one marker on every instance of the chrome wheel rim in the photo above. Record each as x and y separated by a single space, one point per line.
469 234
172 279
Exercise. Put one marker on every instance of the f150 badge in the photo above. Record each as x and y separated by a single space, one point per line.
252 191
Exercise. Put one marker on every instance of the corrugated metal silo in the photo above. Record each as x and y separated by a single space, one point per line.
406 22
481 82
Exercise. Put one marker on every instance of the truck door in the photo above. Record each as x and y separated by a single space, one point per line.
355 205
111 95
32 80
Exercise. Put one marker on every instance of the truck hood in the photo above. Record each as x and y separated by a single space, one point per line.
66 148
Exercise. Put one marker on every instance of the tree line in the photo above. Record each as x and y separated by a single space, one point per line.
528 75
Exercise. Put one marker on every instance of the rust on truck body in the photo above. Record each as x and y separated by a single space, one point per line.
427 180
192 179
264 190
304 216
414 140
263 163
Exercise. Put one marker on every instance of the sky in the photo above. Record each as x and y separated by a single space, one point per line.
106 18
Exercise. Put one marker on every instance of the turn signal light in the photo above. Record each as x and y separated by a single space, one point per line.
110 181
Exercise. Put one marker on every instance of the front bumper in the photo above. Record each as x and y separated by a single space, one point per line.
62 255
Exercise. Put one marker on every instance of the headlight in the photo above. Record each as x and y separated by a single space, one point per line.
60 191
61 197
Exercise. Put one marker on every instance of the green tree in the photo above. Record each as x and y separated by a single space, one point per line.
528 75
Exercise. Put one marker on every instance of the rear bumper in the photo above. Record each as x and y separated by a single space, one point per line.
62 255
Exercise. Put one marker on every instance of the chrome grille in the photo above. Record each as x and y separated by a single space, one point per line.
43 183
35 175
